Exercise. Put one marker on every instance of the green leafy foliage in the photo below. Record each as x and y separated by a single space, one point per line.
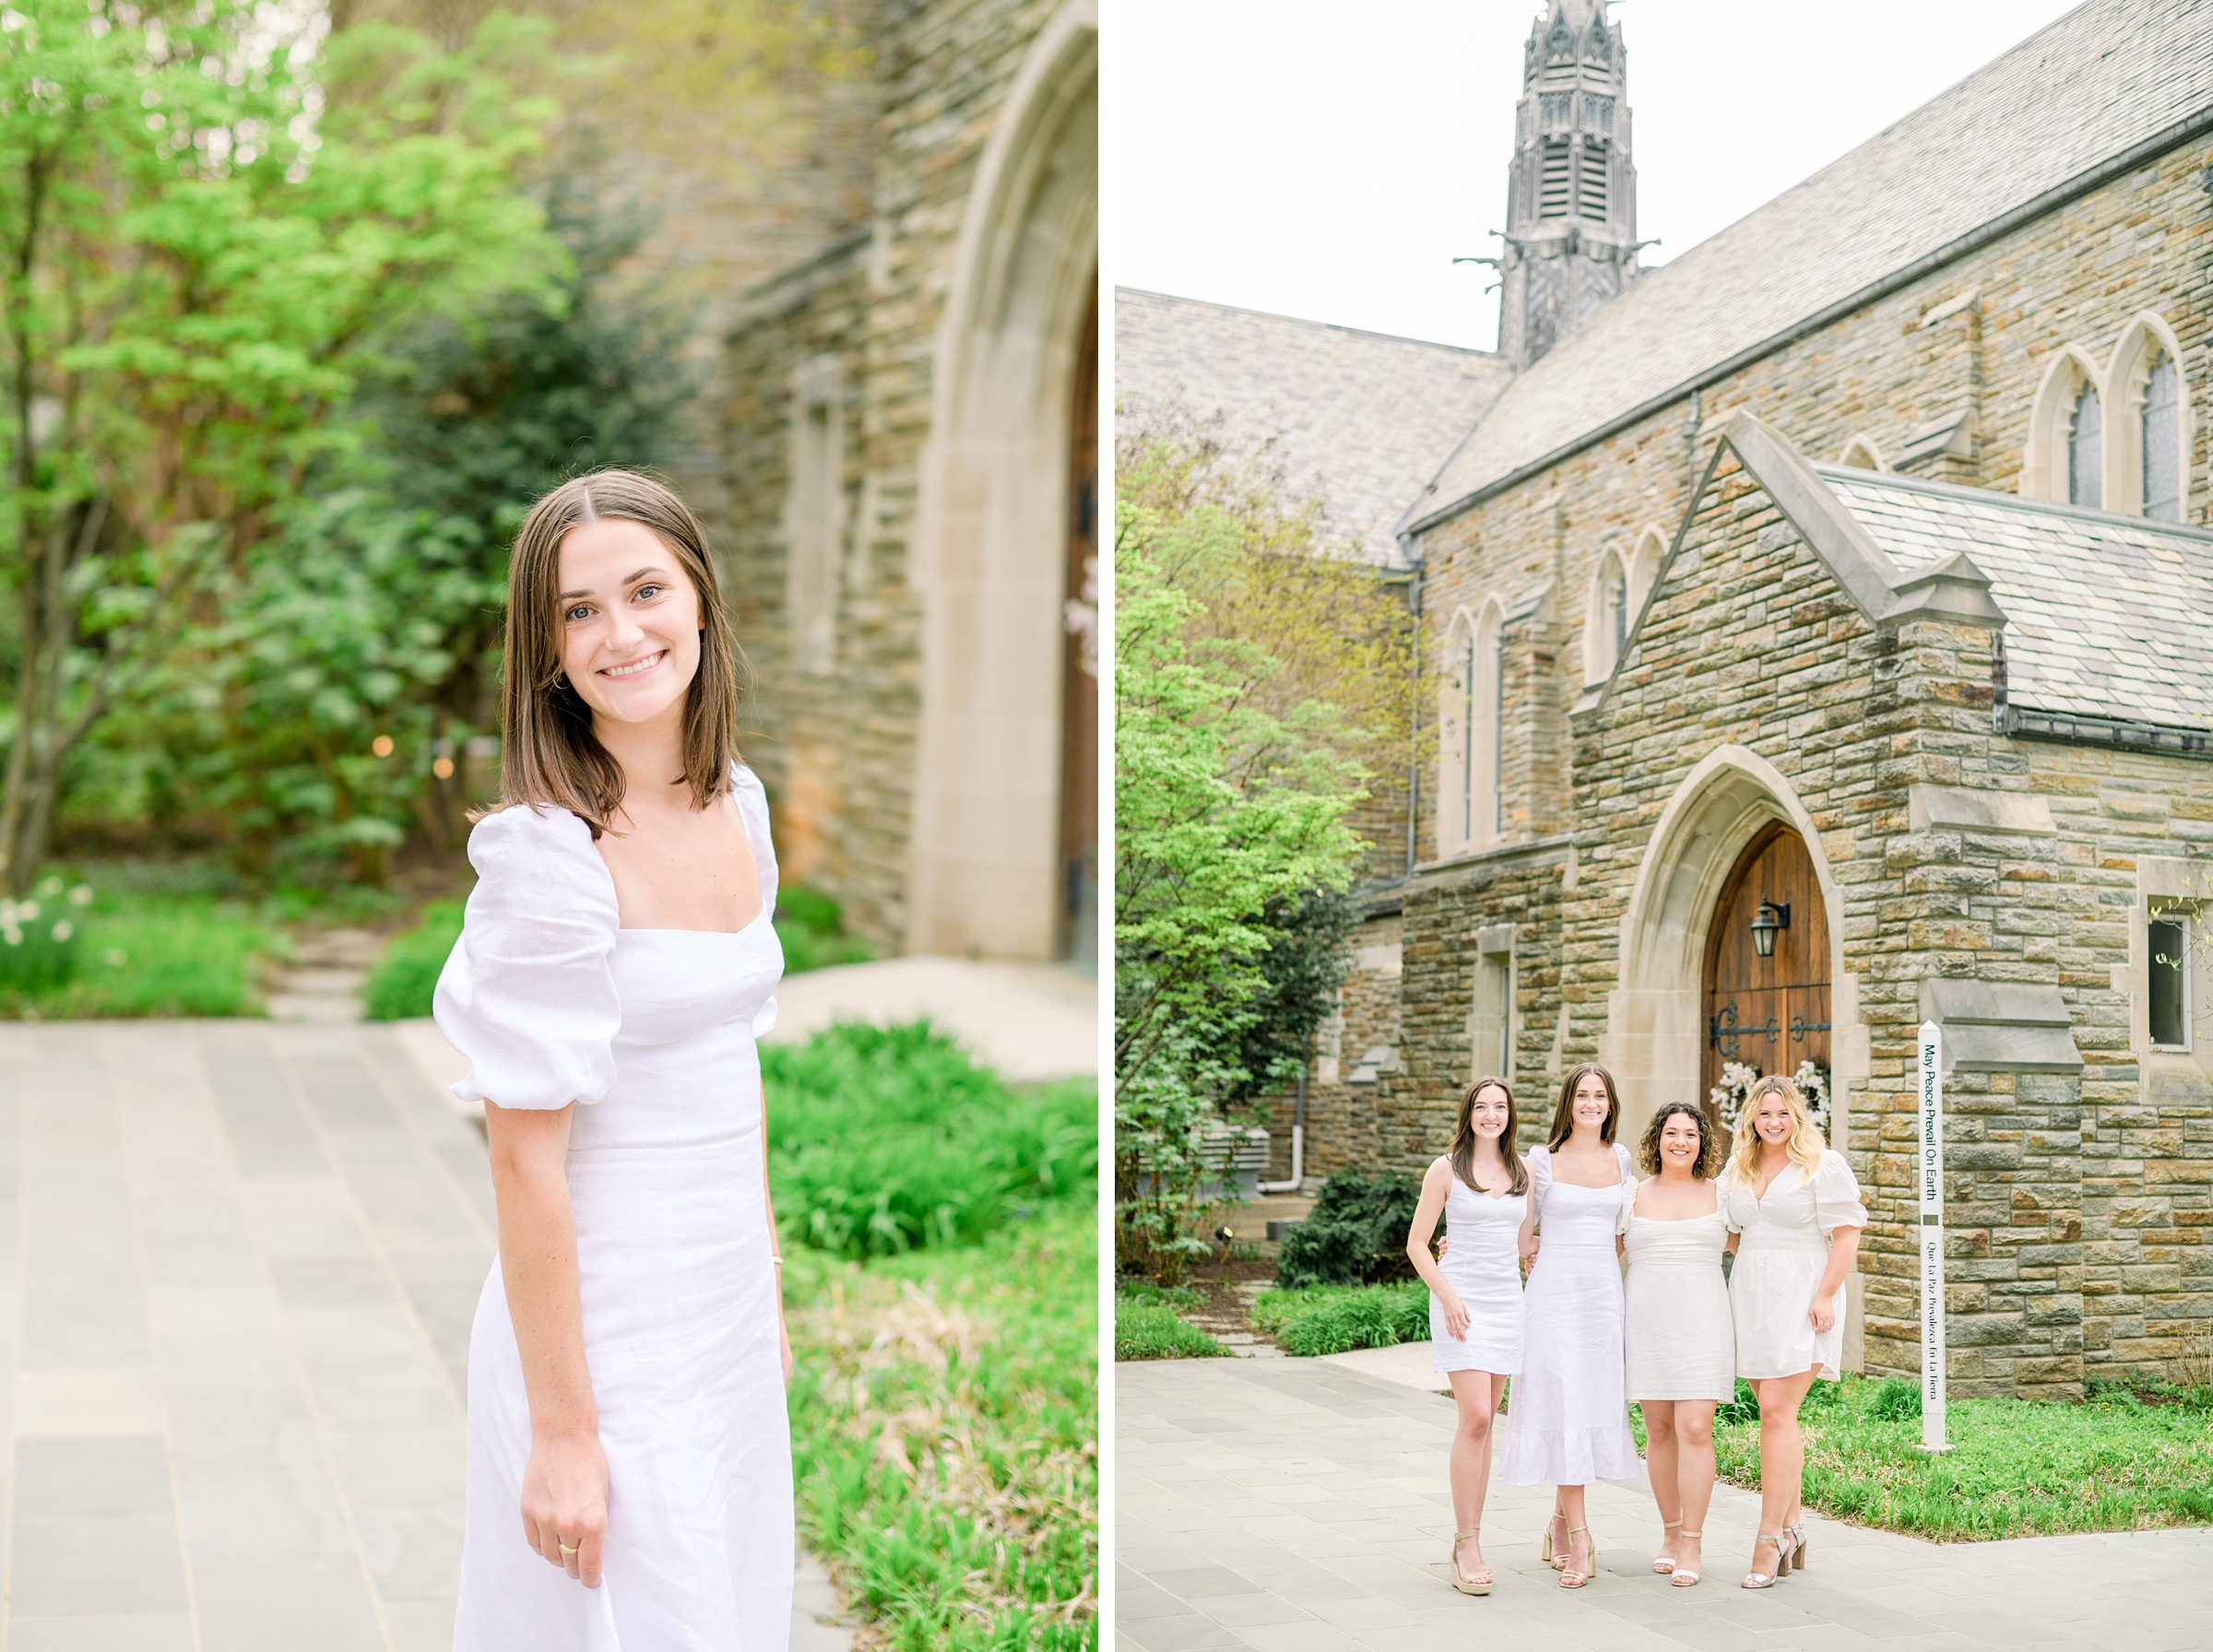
1153 1330
2016 1468
140 953
811 928
888 1139
1318 1319
945 1436
1895 1400
405 973
1354 1234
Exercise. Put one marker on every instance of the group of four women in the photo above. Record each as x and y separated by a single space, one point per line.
1581 1343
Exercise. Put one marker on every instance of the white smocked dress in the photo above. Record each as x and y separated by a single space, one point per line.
1567 1414
652 1032
1779 1260
1483 1264
1678 1339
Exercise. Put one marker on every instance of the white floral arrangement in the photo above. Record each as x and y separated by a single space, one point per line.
1730 1094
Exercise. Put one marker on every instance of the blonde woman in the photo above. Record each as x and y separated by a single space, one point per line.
1681 1346
1481 1188
1794 1207
1570 1424
628 1454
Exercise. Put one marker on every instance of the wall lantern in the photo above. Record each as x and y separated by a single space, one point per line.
1766 922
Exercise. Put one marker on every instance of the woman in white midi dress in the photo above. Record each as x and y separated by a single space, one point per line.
1482 1189
1794 1205
1568 1422
1682 1352
628 1454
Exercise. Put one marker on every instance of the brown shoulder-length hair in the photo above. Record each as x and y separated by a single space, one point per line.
1712 1153
1509 1139
551 756
1563 1113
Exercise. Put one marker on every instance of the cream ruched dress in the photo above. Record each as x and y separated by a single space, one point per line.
1678 1338
652 1032
1779 1260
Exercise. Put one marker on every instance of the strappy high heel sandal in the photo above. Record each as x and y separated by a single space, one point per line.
1677 1578
1554 1557
1665 1564
1766 1580
1477 1582
1797 1534
1570 1578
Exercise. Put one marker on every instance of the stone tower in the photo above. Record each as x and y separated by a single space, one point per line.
1571 191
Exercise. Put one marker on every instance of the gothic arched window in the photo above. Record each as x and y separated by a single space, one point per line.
2160 435
2086 485
1470 732
1606 621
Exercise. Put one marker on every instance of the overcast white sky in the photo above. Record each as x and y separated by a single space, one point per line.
1329 157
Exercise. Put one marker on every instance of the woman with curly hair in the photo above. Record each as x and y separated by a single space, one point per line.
1795 1205
1681 1348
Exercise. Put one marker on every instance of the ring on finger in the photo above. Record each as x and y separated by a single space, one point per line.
569 1549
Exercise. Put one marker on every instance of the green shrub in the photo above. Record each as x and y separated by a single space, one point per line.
1318 1319
406 974
1895 1400
1150 1330
811 927
38 938
887 1139
1744 1408
1355 1236
152 954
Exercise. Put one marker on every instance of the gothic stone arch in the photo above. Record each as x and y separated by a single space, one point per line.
994 513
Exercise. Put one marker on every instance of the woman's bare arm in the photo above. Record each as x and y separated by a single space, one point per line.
775 1240
1843 1248
564 1486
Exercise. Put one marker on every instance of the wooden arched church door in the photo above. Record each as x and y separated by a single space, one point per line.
1769 1012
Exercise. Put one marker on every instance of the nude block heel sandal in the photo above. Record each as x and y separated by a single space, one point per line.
1679 1577
1766 1580
1479 1583
1570 1578
1662 1564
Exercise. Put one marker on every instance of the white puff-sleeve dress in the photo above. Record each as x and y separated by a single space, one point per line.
651 1032
1567 1415
1779 1260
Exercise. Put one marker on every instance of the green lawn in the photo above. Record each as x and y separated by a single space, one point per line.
1154 1330
141 954
1318 1319
945 1436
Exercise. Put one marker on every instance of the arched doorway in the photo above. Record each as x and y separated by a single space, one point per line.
1080 667
1770 1011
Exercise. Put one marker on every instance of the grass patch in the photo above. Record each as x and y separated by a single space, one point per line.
145 955
945 1436
1154 1330
889 1140
2016 1468
406 975
811 927
1318 1319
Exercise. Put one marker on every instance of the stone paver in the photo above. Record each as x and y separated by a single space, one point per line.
240 1261
1296 1505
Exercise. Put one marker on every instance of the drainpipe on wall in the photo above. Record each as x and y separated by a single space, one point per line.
1298 1137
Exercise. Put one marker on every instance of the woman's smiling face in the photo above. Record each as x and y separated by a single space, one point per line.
1679 1143
1773 1121
629 620
1486 1113
1591 1103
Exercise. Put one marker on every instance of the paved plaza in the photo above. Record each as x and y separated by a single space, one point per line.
242 1260
1300 1506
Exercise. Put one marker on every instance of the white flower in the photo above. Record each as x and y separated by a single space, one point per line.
51 884
13 935
81 895
27 912
62 930
116 958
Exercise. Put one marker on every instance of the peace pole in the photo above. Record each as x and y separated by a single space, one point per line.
1931 1167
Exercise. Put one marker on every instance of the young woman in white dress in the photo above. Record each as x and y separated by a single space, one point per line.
1569 1420
1681 1346
629 1454
1794 1207
1482 1189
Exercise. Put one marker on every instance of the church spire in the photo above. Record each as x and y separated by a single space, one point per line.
1571 191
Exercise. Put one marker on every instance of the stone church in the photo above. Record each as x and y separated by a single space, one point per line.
1817 639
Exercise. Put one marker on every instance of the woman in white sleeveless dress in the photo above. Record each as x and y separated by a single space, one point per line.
1482 1189
1794 1205
1570 1419
1681 1348
628 1454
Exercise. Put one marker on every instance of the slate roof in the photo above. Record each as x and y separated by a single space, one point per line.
2108 75
1357 420
2106 616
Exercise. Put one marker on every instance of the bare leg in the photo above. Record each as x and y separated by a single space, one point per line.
1660 1453
1476 1393
1781 1455
1694 1474
1579 1540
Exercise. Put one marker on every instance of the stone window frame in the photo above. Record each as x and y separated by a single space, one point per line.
1630 587
1467 762
1494 962
2172 883
2044 462
1861 454
2146 337
814 515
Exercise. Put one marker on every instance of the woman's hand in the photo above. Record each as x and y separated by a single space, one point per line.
564 1504
785 1335
1457 1316
1824 1310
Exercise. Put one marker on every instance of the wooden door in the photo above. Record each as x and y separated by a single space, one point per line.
1769 1013
1079 674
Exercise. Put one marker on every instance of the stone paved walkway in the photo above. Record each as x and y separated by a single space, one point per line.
1298 1505
240 1261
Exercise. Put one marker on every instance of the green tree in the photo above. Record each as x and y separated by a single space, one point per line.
211 222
